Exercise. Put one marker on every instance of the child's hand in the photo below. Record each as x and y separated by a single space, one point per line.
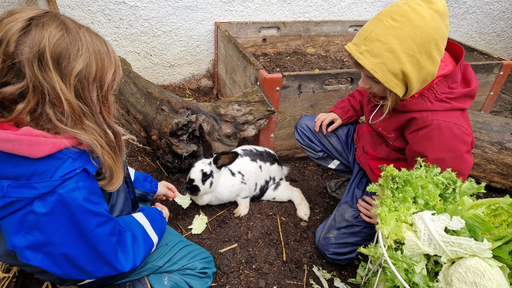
166 191
323 119
163 209
366 207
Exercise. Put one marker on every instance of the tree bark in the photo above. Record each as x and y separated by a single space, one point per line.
493 150
181 132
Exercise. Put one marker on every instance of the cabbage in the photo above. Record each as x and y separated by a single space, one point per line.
199 223
430 238
406 192
324 276
183 200
420 245
474 272
491 219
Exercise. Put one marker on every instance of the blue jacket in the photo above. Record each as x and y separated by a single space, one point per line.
57 223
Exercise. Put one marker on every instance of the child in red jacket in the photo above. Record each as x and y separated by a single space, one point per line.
415 90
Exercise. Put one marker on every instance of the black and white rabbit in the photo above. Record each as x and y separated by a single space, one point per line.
243 174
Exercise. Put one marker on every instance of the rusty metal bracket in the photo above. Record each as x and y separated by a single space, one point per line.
496 86
271 85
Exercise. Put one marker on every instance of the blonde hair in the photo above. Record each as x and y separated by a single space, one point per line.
60 77
391 101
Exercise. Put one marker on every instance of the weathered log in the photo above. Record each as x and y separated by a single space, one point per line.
171 126
493 150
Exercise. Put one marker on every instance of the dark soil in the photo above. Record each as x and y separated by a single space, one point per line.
262 241
299 60
258 259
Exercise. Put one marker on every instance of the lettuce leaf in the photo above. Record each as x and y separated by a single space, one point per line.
430 238
403 193
406 192
183 200
490 219
199 223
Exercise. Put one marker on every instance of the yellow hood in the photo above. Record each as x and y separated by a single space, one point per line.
403 44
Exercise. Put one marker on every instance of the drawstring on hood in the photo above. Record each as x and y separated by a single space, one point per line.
402 37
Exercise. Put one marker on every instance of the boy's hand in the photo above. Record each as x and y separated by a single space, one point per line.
166 191
163 209
366 207
323 119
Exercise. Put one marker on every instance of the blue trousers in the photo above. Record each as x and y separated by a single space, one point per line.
176 262
340 235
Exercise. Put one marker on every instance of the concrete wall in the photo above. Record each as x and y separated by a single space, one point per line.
169 41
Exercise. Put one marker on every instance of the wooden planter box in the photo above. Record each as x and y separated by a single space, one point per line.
296 93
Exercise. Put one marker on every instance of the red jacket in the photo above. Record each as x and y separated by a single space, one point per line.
432 124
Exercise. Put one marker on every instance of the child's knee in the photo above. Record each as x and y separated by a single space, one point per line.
205 259
338 252
339 237
304 126
305 121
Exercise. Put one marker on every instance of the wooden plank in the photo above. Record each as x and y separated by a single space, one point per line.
293 28
291 108
228 83
335 81
237 70
473 54
493 149
486 73
312 44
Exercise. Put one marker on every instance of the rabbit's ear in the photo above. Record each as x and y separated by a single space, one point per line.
224 159
205 144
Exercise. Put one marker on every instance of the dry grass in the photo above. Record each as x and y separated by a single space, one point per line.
7 275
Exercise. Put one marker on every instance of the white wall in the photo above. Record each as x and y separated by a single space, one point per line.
168 41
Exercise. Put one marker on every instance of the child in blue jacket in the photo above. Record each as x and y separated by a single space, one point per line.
69 204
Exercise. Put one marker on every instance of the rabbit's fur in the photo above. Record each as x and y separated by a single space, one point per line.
243 174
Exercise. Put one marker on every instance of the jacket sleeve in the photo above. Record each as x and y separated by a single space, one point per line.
445 144
69 232
351 108
145 185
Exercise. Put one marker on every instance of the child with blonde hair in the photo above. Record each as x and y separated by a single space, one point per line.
414 93
70 208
